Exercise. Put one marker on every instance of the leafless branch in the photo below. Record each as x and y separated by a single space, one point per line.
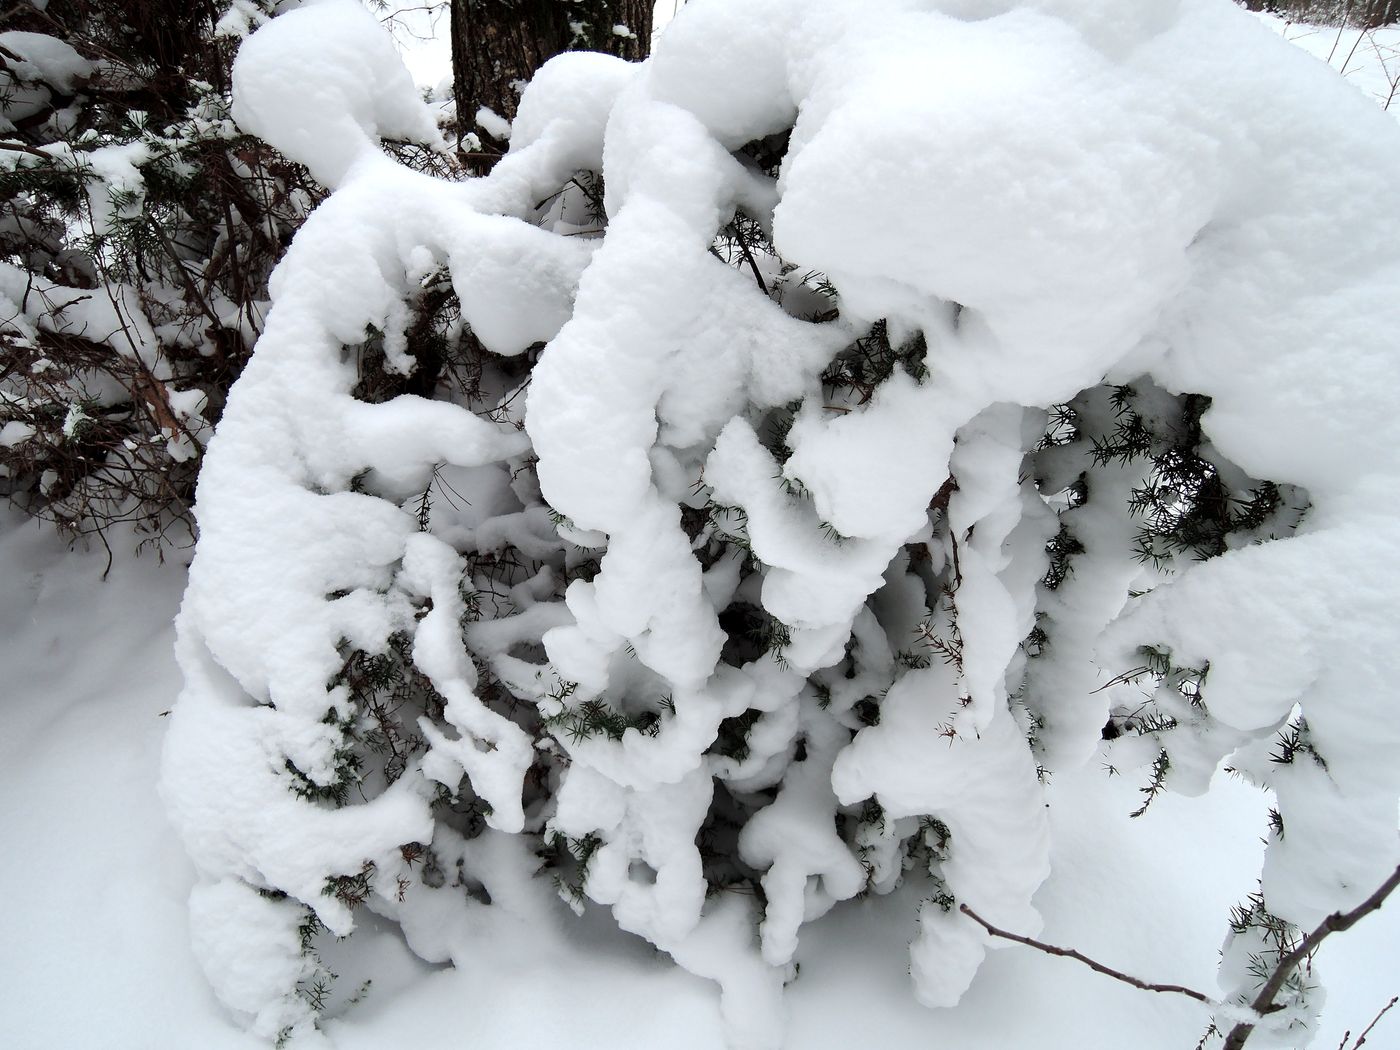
1070 953
1334 923
1361 1039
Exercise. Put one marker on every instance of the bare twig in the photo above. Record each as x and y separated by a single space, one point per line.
1070 953
1334 923
1346 14
1361 1039
186 279
1363 34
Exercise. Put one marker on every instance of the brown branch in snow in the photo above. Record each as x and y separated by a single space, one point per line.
1070 953
1334 923
20 147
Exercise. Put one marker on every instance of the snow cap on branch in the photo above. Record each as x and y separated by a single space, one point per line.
324 85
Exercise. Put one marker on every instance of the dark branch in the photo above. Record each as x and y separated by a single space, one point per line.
1334 923
20 147
1070 953
748 257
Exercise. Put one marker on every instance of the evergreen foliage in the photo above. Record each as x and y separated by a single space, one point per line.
139 231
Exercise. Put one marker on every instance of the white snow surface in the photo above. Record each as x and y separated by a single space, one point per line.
104 882
1050 193
351 90
46 58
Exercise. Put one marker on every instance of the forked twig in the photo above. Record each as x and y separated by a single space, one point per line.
1361 1039
1334 923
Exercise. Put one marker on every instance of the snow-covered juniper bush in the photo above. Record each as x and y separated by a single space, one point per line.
796 451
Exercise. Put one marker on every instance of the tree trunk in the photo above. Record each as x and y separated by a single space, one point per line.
1373 13
498 44
1360 14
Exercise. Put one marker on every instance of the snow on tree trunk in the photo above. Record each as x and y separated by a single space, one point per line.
836 425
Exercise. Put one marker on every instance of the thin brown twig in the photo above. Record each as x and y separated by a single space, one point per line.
185 277
1361 1039
1352 53
1346 14
1070 953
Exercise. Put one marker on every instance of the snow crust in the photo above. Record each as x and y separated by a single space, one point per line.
1048 194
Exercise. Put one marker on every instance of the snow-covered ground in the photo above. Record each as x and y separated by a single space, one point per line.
94 943
1367 58
94 938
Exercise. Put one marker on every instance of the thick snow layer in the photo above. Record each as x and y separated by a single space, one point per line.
117 931
89 673
800 655
350 90
88 679
47 59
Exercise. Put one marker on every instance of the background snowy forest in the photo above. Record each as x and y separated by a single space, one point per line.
445 678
